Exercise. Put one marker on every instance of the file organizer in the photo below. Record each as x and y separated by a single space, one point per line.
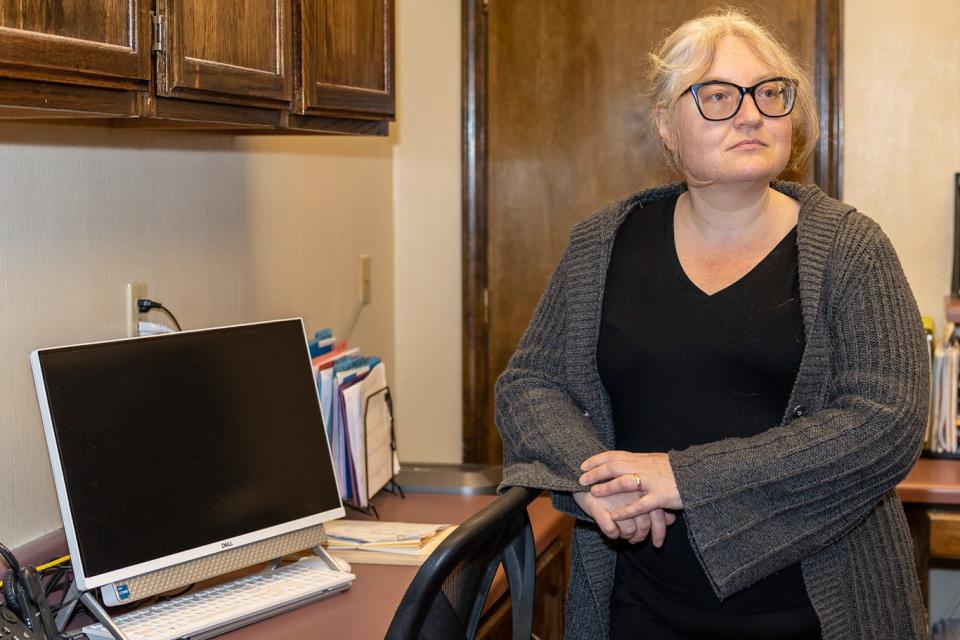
391 485
358 413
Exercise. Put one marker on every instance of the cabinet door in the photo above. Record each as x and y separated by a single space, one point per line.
235 51
102 43
346 56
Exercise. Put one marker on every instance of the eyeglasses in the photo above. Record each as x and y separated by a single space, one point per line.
721 100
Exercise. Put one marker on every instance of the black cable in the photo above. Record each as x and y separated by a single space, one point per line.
146 602
60 583
168 312
57 574
182 592
144 305
60 605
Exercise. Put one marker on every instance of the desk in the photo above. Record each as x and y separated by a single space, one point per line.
931 498
366 609
932 481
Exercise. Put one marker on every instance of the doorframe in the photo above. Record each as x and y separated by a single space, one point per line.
479 438
476 423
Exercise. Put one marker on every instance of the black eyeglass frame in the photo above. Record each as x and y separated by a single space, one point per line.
695 88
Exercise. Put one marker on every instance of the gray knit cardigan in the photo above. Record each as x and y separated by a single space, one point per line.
817 489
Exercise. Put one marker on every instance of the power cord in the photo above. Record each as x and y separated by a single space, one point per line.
144 305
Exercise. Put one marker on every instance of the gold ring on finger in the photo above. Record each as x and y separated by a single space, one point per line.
639 482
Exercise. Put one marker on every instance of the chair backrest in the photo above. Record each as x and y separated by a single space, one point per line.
446 597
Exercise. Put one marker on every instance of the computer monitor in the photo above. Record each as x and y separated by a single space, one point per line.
182 456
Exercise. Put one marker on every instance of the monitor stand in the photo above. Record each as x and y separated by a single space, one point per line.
93 605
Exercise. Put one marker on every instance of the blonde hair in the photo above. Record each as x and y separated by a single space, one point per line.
687 53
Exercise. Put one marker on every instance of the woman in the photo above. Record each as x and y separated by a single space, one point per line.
739 355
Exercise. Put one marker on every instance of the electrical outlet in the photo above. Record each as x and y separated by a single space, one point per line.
365 278
135 291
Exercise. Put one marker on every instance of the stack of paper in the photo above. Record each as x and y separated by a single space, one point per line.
354 400
943 422
376 542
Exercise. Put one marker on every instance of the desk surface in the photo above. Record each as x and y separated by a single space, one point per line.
366 609
932 481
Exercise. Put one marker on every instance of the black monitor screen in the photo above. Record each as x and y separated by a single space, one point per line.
174 442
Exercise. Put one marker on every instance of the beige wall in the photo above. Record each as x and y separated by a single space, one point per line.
427 227
230 229
902 131
223 229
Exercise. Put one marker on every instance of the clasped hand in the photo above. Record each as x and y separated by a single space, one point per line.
616 504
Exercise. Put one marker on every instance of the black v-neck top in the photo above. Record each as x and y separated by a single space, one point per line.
683 367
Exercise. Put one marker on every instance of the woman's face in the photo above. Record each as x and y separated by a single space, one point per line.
749 147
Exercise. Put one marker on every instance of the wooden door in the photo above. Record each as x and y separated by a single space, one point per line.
101 43
566 130
346 52
235 51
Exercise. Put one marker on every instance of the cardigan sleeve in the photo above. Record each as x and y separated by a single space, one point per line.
546 435
756 505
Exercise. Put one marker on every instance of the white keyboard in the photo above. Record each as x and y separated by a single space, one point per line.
228 606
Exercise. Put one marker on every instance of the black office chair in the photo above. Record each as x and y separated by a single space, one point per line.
446 597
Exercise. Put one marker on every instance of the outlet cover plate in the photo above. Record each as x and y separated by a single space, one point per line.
135 291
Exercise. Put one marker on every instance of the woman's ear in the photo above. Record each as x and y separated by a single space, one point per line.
663 128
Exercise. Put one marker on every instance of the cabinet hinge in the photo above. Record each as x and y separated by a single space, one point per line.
159 26
486 306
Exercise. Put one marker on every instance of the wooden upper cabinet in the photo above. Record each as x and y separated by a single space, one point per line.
236 51
346 57
100 43
298 65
